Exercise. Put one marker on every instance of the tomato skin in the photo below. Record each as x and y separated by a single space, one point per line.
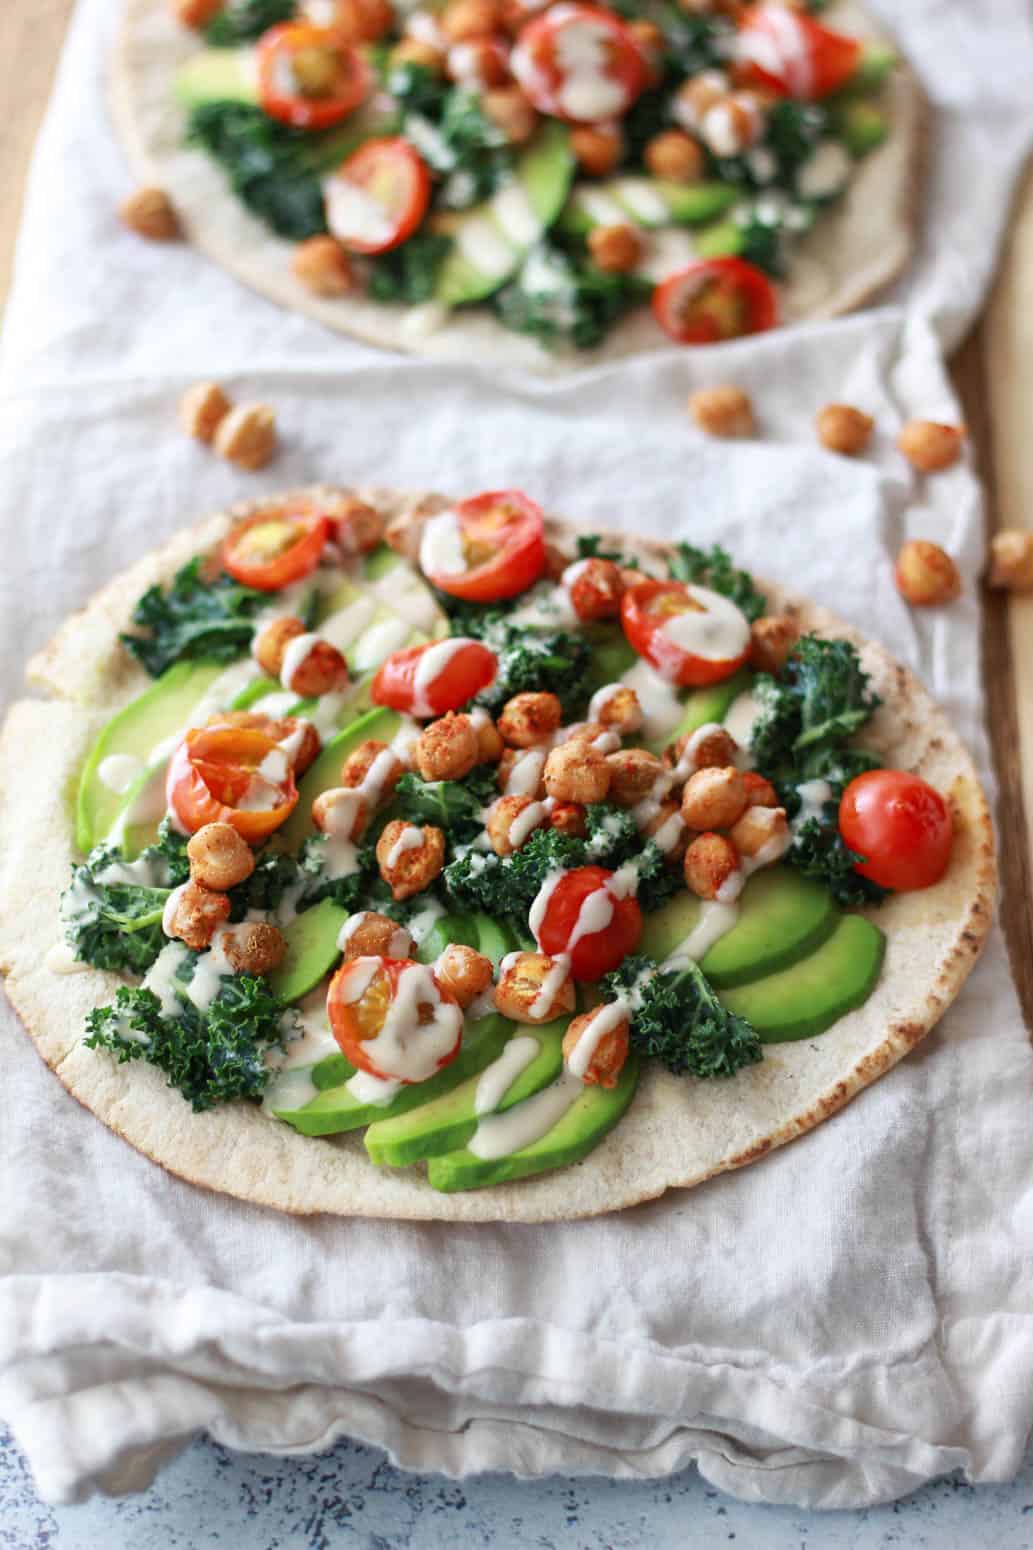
471 669
279 570
596 952
392 159
345 1022
517 523
535 64
791 53
901 825
209 773
642 618
731 282
294 108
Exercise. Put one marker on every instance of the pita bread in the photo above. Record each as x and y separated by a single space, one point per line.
857 248
677 1132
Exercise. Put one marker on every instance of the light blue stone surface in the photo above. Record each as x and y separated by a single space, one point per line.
352 1497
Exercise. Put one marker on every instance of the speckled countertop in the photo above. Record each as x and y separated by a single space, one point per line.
353 1497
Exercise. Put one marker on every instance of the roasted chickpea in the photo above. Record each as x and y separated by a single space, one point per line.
370 753
619 712
711 746
518 994
247 436
596 588
528 718
463 973
202 409
376 20
322 669
759 792
1011 560
270 644
651 46
633 775
844 429
218 857
531 776
369 935
197 915
667 827
711 867
771 640
315 69
509 110
732 125
577 772
298 738
358 528
926 575
410 857
758 827
464 19
254 947
196 13
322 266
489 739
602 739
479 62
606 1061
615 249
150 213
569 818
674 156
447 748
598 148
713 798
341 812
723 411
930 446
414 51
511 822
698 94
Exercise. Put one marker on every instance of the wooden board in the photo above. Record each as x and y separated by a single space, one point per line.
993 372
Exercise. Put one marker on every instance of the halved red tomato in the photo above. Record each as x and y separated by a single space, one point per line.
789 52
378 197
427 1020
592 920
276 546
580 63
500 537
308 77
715 299
430 680
234 775
902 827
691 635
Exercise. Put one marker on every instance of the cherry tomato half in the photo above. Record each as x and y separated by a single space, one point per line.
276 546
430 1021
902 827
580 63
592 920
430 680
502 538
789 52
715 299
216 770
378 197
308 78
692 636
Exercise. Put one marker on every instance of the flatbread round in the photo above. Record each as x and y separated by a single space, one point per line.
857 248
677 1132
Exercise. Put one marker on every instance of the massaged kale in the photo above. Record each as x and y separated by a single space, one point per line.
408 273
713 568
243 21
454 136
192 618
455 806
679 1020
560 297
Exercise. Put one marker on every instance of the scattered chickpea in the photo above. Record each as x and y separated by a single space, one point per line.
710 863
402 534
279 730
358 528
197 13
199 912
340 812
150 213
609 1055
202 410
463 973
615 249
713 798
409 871
577 772
633 774
528 718
930 446
322 266
519 987
321 670
695 97
479 62
598 586
723 411
489 741
247 436
926 575
597 148
362 759
651 45
462 20
569 818
447 748
1011 560
376 19
675 850
375 936
219 858
675 156
509 110
759 792
512 757
732 125
842 428
603 739
504 817
759 826
254 947
621 712
270 644
716 747
414 51
771 640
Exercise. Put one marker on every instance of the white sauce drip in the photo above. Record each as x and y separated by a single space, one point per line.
601 208
404 1048
643 200
516 215
500 1135
430 666
441 546
411 838
352 213
661 706
604 1020
484 247
715 921
378 642
741 717
119 770
525 777
161 978
587 93
495 1080
718 632
813 795
297 653
377 1091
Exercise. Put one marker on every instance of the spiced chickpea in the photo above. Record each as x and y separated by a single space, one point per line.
611 1050
569 818
270 644
620 712
447 748
361 760
771 640
254 947
509 110
711 746
465 974
844 429
713 798
518 994
489 740
321 670
633 775
732 125
370 935
1011 560
669 829
414 51
197 914
710 865
150 213
674 156
929 445
196 13
761 827
322 266
219 858
462 20
376 20
478 63
926 575
357 527
531 776
596 588
511 822
577 772
341 813
528 718
202 409
759 792
247 436
410 857
723 411
615 249
695 97
652 47
597 148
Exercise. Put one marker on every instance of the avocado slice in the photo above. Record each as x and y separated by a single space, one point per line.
448 1123
647 202
704 705
862 126
543 172
592 1115
612 655
218 75
873 69
808 997
311 952
325 771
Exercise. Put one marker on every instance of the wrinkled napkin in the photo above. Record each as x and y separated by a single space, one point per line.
828 1328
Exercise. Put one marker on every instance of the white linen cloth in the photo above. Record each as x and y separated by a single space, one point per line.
830 1327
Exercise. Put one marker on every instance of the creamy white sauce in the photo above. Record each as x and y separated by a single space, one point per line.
210 970
411 838
119 771
587 92
344 627
684 112
423 922
825 172
495 1080
326 715
643 200
717 631
352 214
813 796
662 707
60 959
546 607
404 1048
604 1020
275 705
556 977
741 717
403 590
378 642
168 915
669 833
527 821
161 978
309 1040
424 26
665 252
516 215
430 666
781 49
377 1091
716 919
484 247
500 1135
295 656
290 1091
541 903
441 546
601 208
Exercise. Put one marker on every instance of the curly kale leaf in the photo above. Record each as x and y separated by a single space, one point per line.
193 617
678 1019
819 851
242 21
559 298
793 130
455 806
408 273
168 855
713 568
554 662
348 890
453 135
112 925
590 547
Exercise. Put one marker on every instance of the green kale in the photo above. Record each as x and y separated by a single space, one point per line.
590 547
348 891
169 852
193 618
555 662
819 851
453 135
276 875
408 273
452 805
793 130
559 298
678 1019
713 568
242 21
112 925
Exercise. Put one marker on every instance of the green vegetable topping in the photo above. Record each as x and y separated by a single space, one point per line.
408 273
455 138
241 21
713 568
559 299
678 1019
193 617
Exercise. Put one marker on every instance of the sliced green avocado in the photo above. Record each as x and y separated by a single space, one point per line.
311 952
218 75
593 1114
704 705
380 562
810 996
543 172
611 655
725 239
325 771
861 126
873 68
449 1122
648 202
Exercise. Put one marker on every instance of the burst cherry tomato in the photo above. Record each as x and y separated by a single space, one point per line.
902 827
430 680
276 546
591 918
308 77
498 537
715 299
427 1020
692 636
376 200
580 63
789 52
234 775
